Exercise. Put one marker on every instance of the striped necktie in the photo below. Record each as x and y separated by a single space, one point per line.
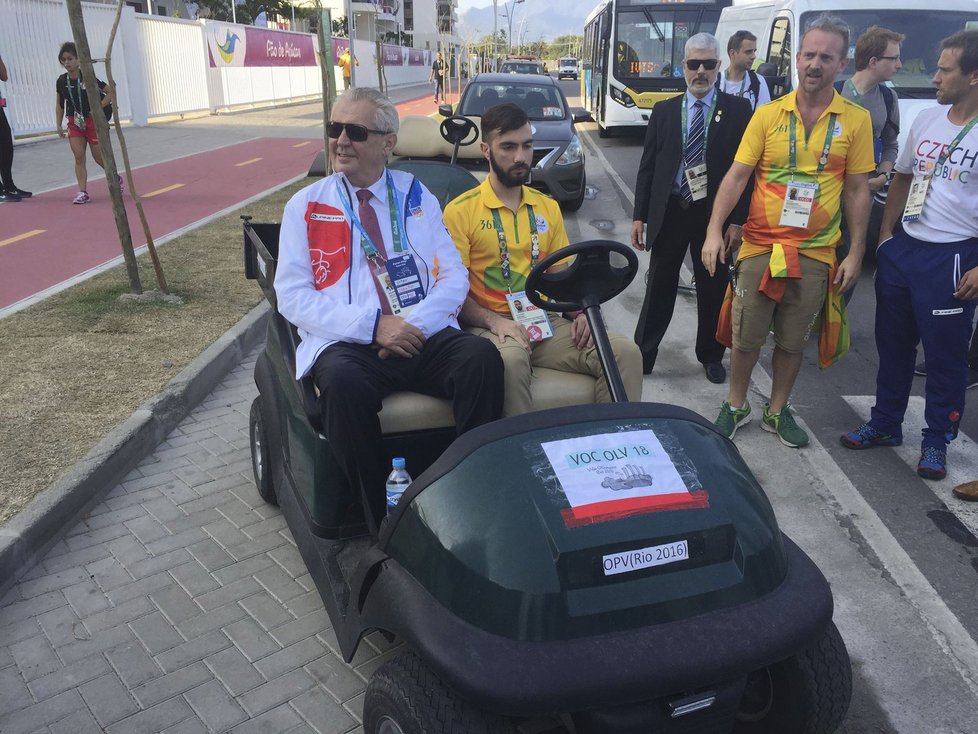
694 147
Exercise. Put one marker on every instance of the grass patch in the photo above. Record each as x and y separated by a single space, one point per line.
75 365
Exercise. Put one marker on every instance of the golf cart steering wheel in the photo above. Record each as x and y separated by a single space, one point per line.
456 130
592 277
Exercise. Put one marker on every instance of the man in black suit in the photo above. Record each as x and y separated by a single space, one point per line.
698 130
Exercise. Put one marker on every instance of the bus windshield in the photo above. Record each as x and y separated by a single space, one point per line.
650 39
920 49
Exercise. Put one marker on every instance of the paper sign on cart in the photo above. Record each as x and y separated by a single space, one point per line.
612 475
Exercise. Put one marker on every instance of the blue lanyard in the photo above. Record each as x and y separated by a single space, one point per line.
397 232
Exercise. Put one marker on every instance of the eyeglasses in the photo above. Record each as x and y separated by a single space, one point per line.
356 133
708 64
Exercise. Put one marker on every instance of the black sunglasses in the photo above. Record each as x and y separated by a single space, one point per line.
708 64
356 133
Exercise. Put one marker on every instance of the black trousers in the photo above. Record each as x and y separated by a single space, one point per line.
353 381
6 153
682 229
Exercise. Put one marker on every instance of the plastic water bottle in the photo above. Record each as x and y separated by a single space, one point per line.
398 481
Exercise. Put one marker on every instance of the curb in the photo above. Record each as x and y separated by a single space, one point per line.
29 534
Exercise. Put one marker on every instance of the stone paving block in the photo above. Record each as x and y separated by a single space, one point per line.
178 492
35 657
243 569
130 498
62 561
68 677
224 483
87 538
265 610
323 712
280 690
215 707
193 725
234 671
309 602
165 465
156 633
163 510
336 677
51 582
154 719
366 669
80 722
210 555
243 466
86 598
279 719
192 475
147 528
301 628
216 445
125 612
279 584
172 684
62 626
226 594
162 562
175 603
193 520
287 556
39 715
14 693
306 581
193 578
108 699
127 550
100 642
6 659
192 651
251 639
133 664
355 707
239 513
208 621
108 573
290 658
249 495
225 533
140 587
173 542
199 504
115 518
272 524
206 461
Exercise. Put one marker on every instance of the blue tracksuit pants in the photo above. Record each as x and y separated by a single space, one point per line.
915 282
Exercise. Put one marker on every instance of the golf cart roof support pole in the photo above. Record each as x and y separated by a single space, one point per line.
605 353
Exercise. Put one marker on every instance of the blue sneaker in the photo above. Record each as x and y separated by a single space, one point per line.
866 437
933 463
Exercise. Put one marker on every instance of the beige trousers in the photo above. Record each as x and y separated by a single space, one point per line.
559 353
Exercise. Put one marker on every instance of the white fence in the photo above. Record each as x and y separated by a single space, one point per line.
165 66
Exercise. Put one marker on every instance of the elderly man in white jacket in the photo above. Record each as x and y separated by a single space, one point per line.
370 277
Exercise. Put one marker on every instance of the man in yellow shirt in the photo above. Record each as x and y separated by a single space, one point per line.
806 150
345 61
502 228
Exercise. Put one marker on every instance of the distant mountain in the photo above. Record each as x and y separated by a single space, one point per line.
541 22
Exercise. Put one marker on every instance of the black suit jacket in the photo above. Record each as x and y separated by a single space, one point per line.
663 155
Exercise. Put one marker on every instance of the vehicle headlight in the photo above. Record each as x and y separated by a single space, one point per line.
574 153
621 98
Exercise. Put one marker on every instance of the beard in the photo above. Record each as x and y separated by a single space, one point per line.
515 176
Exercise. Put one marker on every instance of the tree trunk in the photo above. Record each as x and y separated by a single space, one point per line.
327 73
102 131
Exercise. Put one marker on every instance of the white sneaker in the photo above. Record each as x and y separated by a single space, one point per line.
82 198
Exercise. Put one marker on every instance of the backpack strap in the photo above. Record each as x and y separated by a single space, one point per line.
755 86
889 99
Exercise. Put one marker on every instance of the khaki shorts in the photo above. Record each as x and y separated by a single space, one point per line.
794 318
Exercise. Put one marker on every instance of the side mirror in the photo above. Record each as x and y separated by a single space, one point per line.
579 114
445 110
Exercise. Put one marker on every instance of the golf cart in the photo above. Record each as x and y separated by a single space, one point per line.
590 569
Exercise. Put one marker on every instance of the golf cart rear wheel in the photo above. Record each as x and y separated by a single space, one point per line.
806 694
260 452
405 697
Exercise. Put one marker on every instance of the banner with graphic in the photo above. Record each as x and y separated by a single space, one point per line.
237 45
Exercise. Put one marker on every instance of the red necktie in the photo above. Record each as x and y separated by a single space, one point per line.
368 218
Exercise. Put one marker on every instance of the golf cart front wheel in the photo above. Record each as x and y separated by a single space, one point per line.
260 452
806 694
405 697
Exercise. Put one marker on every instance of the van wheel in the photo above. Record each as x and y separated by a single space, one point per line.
808 693
405 697
261 464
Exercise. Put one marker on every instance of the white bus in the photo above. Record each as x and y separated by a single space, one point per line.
633 53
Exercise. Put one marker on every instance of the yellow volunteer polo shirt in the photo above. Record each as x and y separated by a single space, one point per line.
765 147
470 223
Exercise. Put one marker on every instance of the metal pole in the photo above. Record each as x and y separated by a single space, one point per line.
495 31
349 33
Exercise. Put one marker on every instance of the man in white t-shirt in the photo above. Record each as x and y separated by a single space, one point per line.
738 78
927 273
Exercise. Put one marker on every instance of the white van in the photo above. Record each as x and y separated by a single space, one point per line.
567 68
778 25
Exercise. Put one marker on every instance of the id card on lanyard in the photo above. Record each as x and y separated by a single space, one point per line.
695 173
921 184
799 196
78 117
534 320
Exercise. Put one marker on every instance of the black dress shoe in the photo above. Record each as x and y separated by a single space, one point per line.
21 193
715 372
7 196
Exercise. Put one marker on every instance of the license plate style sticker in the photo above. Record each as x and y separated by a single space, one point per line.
636 560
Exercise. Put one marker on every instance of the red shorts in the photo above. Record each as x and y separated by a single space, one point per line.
88 133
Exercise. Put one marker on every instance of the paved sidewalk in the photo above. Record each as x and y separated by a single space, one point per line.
179 604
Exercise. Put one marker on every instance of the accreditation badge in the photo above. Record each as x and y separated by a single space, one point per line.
799 198
79 120
696 179
915 199
533 319
401 283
